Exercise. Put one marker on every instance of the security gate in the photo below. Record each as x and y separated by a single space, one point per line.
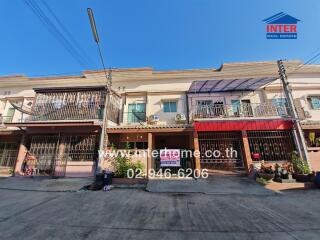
186 162
271 146
220 150
8 154
48 155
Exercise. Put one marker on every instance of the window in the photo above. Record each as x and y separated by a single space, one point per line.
235 107
170 106
204 102
136 112
279 101
280 105
314 102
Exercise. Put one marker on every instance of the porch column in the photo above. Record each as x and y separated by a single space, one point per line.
247 153
196 149
21 155
149 157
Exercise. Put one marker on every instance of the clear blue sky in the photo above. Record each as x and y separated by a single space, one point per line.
163 34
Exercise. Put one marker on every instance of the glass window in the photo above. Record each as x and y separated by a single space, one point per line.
315 102
279 101
136 112
170 106
235 106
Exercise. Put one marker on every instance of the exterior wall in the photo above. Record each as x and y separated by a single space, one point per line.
155 106
80 169
153 87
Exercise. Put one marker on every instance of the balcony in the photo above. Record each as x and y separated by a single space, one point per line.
247 111
5 119
61 106
133 118
68 105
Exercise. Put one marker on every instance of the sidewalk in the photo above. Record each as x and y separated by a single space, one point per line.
44 184
212 185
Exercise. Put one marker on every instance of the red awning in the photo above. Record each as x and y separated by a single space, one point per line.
243 125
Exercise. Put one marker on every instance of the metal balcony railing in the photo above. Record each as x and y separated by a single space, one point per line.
216 111
134 117
6 119
72 106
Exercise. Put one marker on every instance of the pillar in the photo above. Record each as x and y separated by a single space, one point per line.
247 153
22 152
149 157
197 151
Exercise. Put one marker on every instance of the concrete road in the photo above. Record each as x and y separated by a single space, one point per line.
137 214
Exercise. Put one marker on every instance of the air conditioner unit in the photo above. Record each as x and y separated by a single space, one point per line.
154 118
307 114
180 118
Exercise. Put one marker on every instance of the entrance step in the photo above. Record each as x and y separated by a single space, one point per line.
217 172
5 171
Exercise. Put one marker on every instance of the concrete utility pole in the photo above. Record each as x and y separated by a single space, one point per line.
299 137
104 136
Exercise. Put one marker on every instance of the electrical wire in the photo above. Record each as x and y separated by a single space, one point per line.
55 32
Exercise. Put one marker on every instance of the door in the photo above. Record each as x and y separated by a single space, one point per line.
246 108
221 150
8 154
42 154
136 112
235 107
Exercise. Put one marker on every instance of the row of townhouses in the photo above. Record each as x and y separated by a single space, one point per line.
55 123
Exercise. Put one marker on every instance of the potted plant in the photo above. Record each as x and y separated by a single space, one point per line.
266 172
318 142
302 172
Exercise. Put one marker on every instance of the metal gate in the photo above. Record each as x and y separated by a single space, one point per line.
186 161
220 150
48 155
272 146
8 154
42 154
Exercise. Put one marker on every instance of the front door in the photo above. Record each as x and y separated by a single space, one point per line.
221 150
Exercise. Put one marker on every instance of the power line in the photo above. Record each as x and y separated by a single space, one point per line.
72 39
55 32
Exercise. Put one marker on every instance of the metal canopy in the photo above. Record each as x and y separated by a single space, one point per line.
229 85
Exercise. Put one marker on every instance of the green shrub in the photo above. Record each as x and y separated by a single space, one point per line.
299 166
122 164
261 180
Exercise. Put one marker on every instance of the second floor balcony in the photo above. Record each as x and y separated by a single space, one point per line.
67 104
64 104
247 110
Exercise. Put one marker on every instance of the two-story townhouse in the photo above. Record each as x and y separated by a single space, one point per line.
58 121
239 106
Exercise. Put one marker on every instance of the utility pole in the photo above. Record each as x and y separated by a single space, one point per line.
298 133
104 136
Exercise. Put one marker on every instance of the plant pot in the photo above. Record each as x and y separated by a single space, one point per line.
317 179
302 177
266 176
